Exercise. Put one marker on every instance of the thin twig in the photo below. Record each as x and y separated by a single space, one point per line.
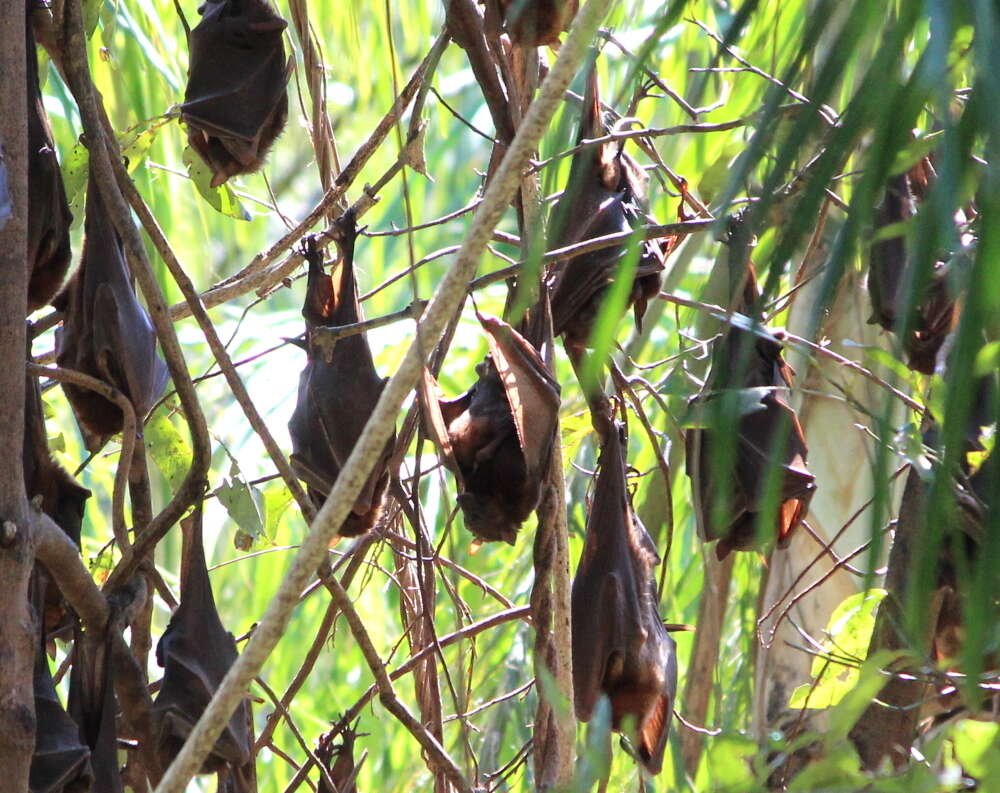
124 404
448 297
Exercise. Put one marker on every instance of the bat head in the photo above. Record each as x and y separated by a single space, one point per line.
486 518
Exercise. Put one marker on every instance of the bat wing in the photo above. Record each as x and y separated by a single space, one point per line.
596 604
655 727
63 498
620 647
196 651
128 351
61 761
604 602
532 391
337 394
107 333
49 217
236 101
93 706
537 23
438 415
761 424
237 69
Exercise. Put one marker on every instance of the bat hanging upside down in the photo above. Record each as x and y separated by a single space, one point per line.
621 648
106 332
195 652
236 102
336 395
497 437
761 432
534 23
605 194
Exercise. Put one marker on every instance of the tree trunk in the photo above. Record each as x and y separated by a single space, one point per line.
17 712
889 725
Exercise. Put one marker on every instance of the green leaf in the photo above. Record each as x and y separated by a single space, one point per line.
277 499
574 430
977 747
988 359
75 170
167 447
222 199
136 141
245 506
908 156
839 769
725 765
845 714
849 634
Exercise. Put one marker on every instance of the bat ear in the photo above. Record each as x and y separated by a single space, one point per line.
591 122
319 300
435 422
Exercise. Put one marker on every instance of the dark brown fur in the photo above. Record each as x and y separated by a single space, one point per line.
889 264
93 706
236 102
534 23
336 397
60 762
195 652
605 194
106 333
757 363
49 217
621 648
497 437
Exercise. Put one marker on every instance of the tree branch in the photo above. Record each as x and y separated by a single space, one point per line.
448 297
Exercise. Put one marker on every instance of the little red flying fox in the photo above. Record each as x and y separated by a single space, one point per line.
744 441
106 333
605 194
889 269
60 762
338 760
621 648
195 652
497 437
49 217
60 497
336 395
93 705
534 23
236 102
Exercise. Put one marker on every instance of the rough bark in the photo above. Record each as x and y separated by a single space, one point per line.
17 713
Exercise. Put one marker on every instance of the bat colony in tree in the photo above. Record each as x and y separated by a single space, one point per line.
497 438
